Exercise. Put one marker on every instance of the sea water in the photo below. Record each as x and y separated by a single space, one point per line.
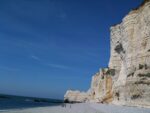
8 102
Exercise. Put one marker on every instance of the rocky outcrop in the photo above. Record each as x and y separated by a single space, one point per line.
126 81
76 96
101 86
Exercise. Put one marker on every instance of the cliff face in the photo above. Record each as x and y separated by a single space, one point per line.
127 79
130 56
101 86
76 96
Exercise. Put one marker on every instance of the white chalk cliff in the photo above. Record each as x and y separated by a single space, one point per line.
126 81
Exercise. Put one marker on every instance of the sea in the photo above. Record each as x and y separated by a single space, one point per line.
8 102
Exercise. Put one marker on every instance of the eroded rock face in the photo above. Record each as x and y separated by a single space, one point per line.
130 43
101 86
127 79
100 91
76 96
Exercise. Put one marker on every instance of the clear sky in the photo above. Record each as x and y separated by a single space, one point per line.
49 46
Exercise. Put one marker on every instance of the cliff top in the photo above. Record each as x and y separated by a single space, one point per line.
140 6
134 10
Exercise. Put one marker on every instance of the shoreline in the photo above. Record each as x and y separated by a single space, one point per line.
81 108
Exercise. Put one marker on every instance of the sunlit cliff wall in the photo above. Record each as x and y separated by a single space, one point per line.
126 81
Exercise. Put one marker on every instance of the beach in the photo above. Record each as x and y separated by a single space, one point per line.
81 108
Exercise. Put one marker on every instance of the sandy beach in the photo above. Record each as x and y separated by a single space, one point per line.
82 108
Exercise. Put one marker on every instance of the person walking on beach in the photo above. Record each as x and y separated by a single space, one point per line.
70 105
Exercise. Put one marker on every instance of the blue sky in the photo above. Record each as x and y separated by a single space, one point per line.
49 46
